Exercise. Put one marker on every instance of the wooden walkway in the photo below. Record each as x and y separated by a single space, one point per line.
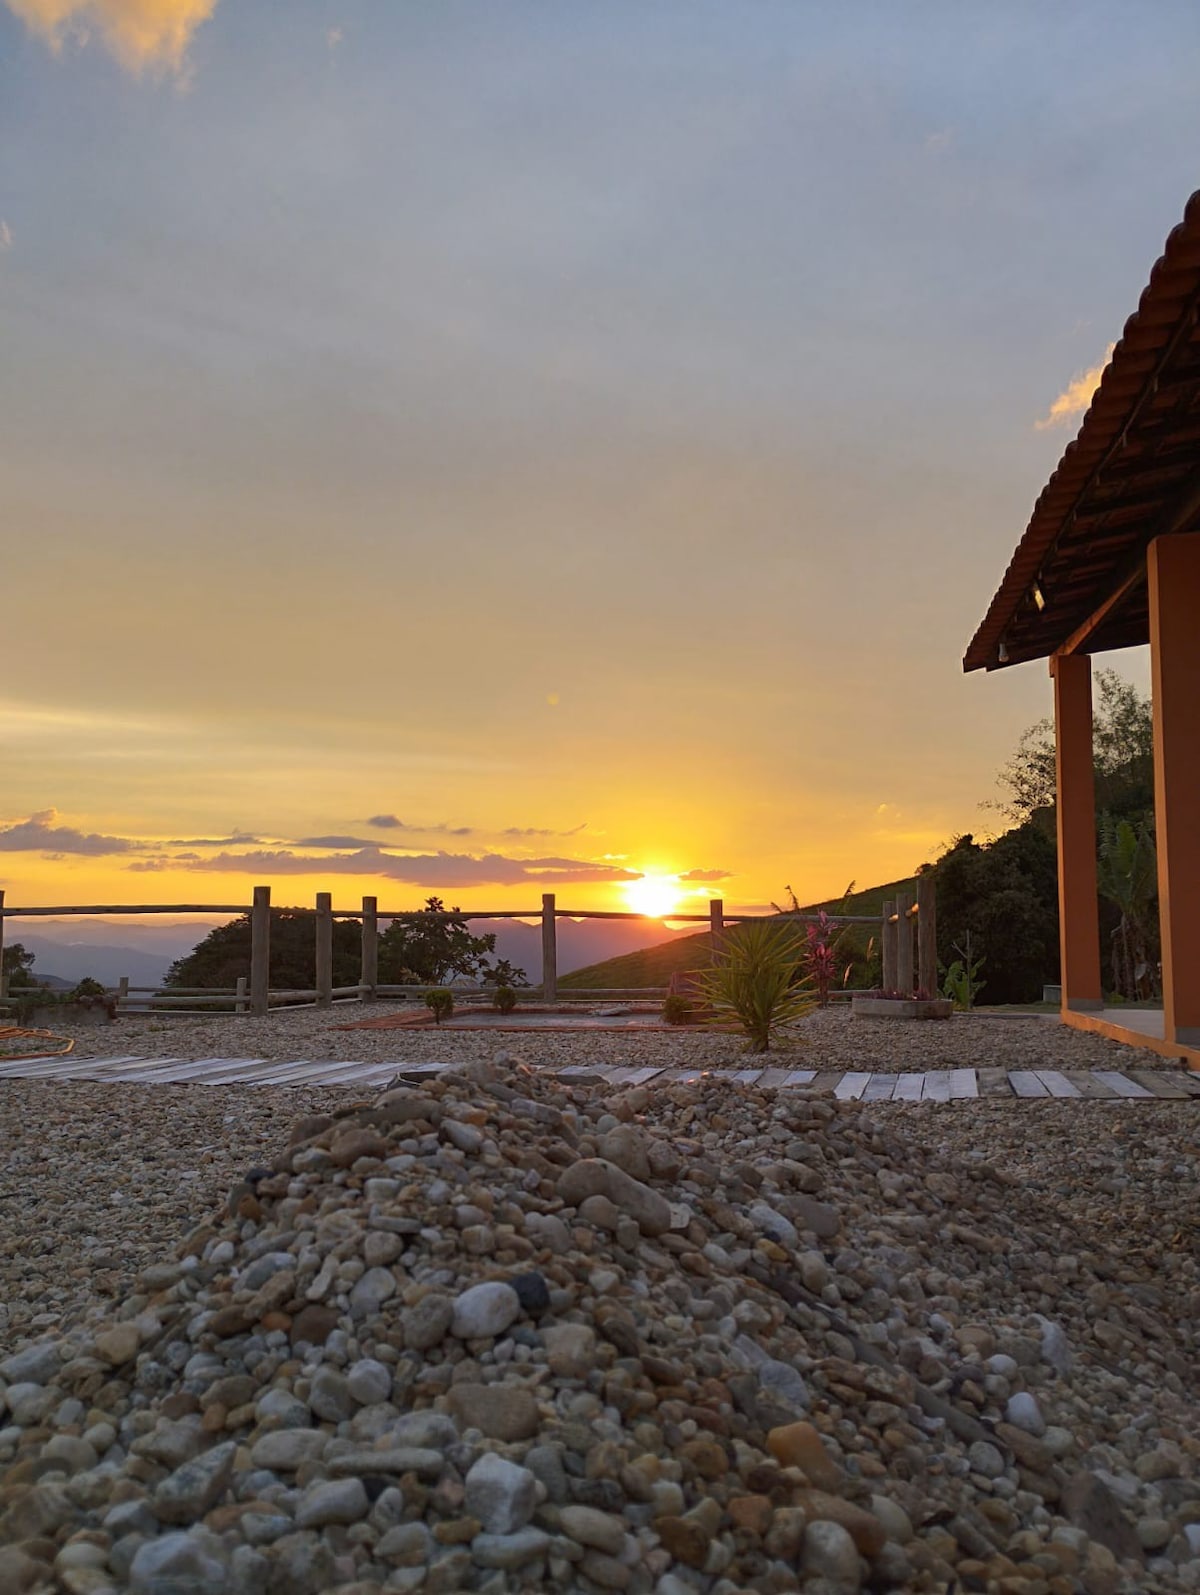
939 1085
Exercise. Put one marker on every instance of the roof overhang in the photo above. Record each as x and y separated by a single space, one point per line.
1077 579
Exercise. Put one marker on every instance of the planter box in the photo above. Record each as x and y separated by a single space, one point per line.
901 1007
70 1013
1052 994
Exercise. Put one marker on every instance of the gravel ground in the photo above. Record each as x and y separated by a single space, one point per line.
826 1040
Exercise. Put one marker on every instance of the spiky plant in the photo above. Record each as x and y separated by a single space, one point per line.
756 979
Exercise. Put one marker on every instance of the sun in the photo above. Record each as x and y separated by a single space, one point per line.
656 895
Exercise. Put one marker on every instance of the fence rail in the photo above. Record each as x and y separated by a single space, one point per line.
255 995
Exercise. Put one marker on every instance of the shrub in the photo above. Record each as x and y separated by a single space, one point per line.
440 1003
756 979
677 1010
504 999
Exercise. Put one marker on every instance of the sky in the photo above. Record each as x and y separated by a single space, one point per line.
497 448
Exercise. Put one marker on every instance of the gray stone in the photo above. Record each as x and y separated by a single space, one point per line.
425 1428
772 1224
588 1526
264 1268
598 1177
301 1564
830 1553
189 1492
406 1545
484 1311
570 1349
1055 1348
823 1220
332 1501
1090 1505
369 1381
985 1459
1023 1412
285 1450
36 1364
180 1564
330 1396
283 1410
370 1292
500 1494
467 1138
428 1323
509 1550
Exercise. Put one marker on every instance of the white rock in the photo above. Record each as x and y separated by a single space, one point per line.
500 1494
484 1311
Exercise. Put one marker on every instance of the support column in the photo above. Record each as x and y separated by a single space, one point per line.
887 945
716 925
927 961
368 975
1078 908
324 981
260 951
1173 569
904 944
549 950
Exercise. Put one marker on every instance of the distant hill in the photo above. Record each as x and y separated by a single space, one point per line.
654 966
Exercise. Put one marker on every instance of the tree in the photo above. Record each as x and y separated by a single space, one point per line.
16 966
1005 895
1123 743
428 949
224 954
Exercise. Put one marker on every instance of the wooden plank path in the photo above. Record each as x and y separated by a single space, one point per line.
950 1085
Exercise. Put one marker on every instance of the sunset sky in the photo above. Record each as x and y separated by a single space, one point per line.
495 448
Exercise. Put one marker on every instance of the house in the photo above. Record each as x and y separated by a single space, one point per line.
1111 559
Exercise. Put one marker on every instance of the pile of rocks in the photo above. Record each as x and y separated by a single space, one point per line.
489 1333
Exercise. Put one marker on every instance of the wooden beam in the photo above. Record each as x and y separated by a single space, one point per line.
1077 641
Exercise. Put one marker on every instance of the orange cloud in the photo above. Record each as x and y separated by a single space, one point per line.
140 33
1076 396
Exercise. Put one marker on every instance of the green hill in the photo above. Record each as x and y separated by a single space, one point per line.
654 966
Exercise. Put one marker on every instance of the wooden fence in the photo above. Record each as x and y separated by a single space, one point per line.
255 995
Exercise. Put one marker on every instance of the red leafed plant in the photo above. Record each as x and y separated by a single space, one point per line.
821 959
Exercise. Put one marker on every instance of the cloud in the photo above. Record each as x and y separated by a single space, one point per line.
706 875
333 37
238 839
335 841
539 830
5 237
139 33
425 869
392 822
39 833
1076 396
935 143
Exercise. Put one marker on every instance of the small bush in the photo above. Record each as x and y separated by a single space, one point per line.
756 979
677 1010
504 999
440 1003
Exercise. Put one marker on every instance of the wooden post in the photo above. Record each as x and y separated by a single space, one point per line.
1174 583
716 924
904 944
927 959
240 1004
324 980
3 976
1078 908
368 977
549 950
260 951
123 990
887 942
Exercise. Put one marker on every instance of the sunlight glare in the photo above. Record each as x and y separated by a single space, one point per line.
655 895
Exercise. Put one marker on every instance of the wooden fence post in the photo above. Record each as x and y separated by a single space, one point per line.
368 977
260 951
716 923
122 990
904 944
927 959
324 981
3 976
887 941
240 1005
549 950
